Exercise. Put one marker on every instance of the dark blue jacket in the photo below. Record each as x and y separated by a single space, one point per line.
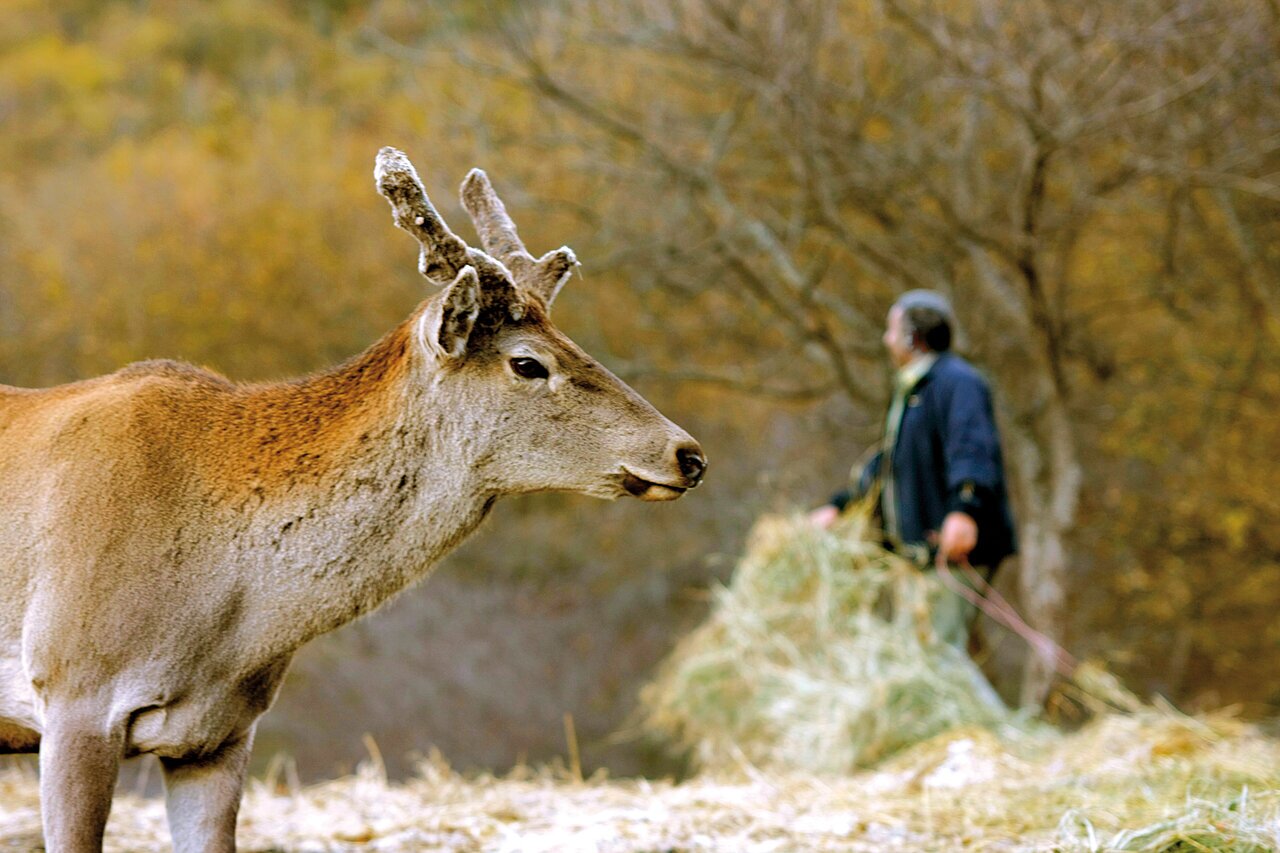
948 458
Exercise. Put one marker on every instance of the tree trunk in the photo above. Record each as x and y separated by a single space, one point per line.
1047 477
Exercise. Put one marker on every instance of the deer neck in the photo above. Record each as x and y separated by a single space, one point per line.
379 485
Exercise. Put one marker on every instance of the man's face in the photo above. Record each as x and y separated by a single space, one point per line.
897 340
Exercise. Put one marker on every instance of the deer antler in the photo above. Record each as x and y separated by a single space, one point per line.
444 254
543 276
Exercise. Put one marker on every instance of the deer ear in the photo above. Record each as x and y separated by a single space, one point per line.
446 330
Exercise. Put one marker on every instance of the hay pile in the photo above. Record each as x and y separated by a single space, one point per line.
818 657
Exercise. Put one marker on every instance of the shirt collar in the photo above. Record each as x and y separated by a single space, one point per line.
913 371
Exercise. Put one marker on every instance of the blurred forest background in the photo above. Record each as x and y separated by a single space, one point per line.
749 185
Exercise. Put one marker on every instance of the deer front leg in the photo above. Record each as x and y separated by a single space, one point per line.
79 760
202 797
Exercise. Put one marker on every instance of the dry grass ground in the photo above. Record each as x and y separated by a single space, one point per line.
1154 781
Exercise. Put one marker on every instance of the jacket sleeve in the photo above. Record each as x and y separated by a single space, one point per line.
971 445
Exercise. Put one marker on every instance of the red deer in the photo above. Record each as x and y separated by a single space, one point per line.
169 538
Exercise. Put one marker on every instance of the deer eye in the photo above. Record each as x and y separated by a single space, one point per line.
529 368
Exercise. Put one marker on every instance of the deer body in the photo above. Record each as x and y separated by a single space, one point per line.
171 538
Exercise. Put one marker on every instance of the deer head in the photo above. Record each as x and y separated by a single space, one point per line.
534 411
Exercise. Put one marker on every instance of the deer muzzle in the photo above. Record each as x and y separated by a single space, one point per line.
690 463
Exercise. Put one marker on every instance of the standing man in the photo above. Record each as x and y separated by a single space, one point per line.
939 469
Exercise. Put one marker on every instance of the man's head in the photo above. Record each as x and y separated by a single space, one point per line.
919 322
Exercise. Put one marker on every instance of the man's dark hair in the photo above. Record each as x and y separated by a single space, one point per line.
926 315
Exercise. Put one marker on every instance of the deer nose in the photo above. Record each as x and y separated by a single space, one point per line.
692 463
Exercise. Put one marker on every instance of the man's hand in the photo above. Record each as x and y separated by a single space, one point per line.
959 536
824 516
